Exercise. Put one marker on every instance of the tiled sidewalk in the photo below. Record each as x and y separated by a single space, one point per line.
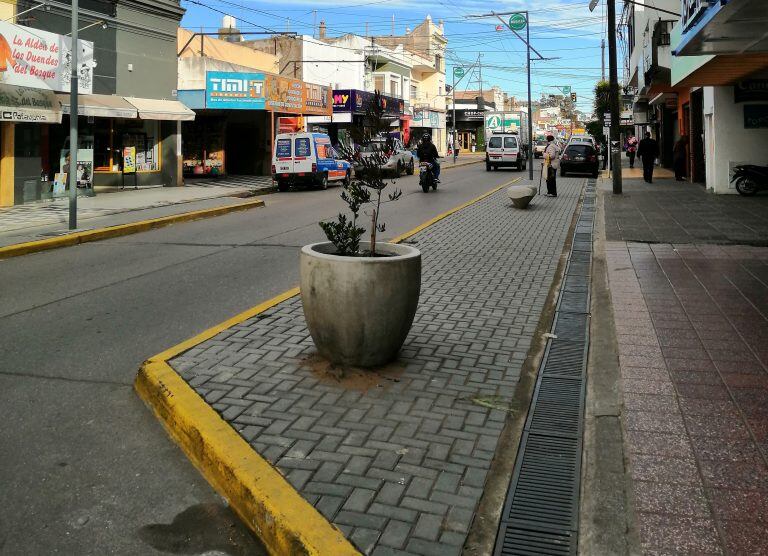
692 325
397 459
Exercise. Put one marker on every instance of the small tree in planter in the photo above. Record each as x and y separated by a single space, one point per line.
360 297
368 186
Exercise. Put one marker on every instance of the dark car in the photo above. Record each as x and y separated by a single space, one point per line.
581 158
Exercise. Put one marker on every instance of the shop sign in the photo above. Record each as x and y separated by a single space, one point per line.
469 115
426 118
342 100
234 90
691 10
42 60
284 94
756 116
317 99
22 104
751 90
627 118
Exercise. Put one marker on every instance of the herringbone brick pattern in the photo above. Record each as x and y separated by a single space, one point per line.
399 463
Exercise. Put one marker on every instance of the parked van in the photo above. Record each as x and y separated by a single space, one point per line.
505 149
307 158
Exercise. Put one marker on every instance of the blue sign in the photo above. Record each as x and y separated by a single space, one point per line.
235 90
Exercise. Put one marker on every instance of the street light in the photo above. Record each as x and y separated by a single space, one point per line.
517 21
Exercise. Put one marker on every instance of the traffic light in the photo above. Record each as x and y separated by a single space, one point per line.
573 97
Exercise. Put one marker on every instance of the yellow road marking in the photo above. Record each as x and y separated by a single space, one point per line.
264 500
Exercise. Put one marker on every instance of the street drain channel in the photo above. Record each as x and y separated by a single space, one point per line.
541 510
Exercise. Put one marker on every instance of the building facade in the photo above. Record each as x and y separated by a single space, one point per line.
127 106
702 77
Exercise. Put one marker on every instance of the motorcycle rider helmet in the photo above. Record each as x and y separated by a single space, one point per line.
426 137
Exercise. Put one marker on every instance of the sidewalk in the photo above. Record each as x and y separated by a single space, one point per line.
397 458
690 299
44 219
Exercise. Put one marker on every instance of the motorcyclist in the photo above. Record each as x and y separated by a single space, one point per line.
427 152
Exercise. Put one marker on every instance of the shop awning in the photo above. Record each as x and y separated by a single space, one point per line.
152 109
100 106
23 104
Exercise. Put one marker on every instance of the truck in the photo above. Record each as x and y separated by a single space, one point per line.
507 121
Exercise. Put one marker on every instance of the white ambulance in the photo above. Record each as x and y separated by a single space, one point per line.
307 158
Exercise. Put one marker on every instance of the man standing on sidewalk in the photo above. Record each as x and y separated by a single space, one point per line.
551 164
648 150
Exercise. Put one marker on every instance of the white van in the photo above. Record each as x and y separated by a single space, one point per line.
504 149
307 158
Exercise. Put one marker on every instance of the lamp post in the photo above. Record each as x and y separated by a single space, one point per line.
73 142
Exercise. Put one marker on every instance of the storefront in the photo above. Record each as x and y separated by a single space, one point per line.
469 127
432 122
237 118
349 107
34 125
722 83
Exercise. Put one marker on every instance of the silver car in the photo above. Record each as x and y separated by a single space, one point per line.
399 160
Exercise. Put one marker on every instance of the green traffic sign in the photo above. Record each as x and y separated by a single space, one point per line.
567 90
517 22
458 72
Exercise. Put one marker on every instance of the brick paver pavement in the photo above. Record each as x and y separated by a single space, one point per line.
682 212
397 460
692 325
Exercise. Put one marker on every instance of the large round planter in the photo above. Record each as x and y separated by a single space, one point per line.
359 309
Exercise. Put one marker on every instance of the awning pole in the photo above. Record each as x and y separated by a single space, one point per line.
73 142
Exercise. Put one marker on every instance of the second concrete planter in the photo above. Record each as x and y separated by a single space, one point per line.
359 309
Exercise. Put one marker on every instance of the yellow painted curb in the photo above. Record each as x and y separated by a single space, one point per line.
88 236
285 522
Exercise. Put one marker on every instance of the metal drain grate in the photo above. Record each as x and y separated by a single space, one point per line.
541 509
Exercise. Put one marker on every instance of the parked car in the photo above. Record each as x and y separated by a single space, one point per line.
505 149
538 149
579 157
399 160
307 158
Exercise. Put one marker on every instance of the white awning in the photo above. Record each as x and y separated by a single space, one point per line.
24 104
153 109
100 106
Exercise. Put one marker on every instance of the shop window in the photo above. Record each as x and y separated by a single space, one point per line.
141 134
378 83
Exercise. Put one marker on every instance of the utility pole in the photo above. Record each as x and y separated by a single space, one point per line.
454 142
613 99
602 53
393 25
314 23
73 142
530 107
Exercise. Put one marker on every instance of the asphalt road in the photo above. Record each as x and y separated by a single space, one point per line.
84 466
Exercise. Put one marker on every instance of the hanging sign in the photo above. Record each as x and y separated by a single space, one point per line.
517 22
458 72
42 60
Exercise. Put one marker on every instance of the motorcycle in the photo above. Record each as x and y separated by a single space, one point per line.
427 177
750 179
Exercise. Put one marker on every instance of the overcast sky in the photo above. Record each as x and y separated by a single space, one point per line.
563 29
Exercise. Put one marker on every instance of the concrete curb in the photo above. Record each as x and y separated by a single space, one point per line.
285 522
88 236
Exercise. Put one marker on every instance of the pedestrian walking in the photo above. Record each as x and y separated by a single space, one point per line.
679 157
631 148
648 150
551 164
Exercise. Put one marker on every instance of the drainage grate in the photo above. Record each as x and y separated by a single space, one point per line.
541 509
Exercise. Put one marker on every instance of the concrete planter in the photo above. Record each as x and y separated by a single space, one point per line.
521 195
359 309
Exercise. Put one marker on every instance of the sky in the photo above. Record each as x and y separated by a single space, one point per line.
563 30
